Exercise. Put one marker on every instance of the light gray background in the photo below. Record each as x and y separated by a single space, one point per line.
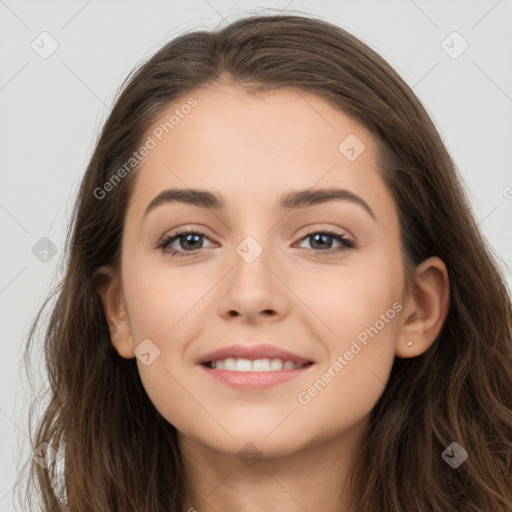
52 109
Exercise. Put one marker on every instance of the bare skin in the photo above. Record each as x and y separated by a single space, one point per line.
251 150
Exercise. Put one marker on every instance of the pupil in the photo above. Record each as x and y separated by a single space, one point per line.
187 237
315 237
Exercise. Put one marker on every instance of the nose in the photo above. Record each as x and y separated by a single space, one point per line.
255 288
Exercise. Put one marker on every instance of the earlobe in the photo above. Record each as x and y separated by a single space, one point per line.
426 308
109 289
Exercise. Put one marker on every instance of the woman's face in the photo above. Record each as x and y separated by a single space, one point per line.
258 270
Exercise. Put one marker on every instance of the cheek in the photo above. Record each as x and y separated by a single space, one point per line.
341 396
165 307
359 318
162 300
351 380
345 300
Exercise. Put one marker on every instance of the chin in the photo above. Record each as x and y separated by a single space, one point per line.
248 439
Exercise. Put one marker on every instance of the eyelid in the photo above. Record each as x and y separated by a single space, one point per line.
327 227
199 228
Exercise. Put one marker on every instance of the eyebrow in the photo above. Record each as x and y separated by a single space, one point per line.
288 201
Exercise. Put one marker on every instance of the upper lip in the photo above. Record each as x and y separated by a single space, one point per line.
252 352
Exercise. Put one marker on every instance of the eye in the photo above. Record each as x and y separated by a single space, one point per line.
326 237
188 240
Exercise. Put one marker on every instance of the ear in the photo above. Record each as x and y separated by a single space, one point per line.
110 290
425 308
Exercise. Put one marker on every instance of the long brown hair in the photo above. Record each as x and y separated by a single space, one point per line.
115 452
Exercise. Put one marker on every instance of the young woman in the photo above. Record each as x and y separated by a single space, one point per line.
276 296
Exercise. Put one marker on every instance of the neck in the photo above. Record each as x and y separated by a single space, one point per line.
314 477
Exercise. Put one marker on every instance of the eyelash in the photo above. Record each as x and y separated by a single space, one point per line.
346 244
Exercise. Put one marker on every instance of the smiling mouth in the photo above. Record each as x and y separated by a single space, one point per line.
256 365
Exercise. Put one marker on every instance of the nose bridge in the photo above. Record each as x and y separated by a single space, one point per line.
252 286
251 262
254 237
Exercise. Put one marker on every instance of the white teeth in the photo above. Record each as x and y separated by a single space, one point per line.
229 364
243 365
276 364
261 365
258 365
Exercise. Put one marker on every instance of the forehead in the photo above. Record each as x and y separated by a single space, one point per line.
255 146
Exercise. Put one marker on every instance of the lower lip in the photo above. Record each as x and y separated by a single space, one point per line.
255 380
